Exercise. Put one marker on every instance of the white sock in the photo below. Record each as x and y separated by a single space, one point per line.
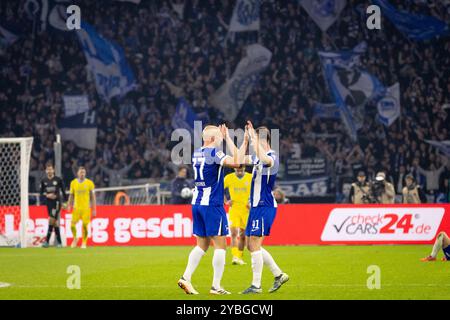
270 262
437 245
194 259
257 267
218 265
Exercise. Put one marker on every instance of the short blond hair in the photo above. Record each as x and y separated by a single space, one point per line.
210 132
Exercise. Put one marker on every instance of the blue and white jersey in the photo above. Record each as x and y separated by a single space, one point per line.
208 176
263 181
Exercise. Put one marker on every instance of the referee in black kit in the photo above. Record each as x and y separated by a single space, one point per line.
52 189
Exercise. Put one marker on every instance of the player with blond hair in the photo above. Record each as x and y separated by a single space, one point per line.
263 208
208 213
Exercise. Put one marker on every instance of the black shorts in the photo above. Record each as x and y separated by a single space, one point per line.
53 209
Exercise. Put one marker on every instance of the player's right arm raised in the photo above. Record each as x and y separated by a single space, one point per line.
257 146
238 155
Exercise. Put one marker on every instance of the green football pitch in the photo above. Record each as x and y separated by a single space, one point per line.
316 272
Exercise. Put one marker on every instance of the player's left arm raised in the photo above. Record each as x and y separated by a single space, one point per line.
237 154
257 146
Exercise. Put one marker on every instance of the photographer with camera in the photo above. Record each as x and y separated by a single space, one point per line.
359 193
381 190
412 193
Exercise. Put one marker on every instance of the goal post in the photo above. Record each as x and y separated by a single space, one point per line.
15 156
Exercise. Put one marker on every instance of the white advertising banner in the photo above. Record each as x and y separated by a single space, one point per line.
382 224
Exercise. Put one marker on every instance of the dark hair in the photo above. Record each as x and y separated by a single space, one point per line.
49 164
263 132
182 168
81 168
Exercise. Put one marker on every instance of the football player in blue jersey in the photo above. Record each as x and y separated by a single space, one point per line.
263 207
208 214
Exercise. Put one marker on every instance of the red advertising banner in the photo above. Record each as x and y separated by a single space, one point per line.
295 224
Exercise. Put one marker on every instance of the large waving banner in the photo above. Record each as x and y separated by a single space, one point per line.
351 86
7 37
107 62
184 117
442 146
415 26
323 12
80 128
230 97
245 16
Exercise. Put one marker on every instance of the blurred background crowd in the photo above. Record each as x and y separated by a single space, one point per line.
184 44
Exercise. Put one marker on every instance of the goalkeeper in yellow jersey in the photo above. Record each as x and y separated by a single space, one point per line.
82 201
238 185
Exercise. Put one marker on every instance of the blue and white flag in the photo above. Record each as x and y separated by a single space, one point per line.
351 86
415 26
185 116
442 146
106 60
75 104
323 12
230 97
47 12
389 108
245 16
326 110
7 38
81 129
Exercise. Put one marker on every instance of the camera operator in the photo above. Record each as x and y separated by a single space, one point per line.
412 192
381 190
359 193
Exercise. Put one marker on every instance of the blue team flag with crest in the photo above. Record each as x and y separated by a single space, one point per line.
245 16
7 38
351 86
389 108
323 12
185 116
417 27
107 62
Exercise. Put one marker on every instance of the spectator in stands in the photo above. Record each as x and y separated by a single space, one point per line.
432 175
116 174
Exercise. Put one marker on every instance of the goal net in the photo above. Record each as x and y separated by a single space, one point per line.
129 195
14 172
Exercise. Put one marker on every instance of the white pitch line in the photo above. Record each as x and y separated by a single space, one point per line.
4 284
235 286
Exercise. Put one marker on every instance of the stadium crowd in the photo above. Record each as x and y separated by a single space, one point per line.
185 42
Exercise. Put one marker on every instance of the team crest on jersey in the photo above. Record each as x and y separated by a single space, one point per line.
55 183
220 154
